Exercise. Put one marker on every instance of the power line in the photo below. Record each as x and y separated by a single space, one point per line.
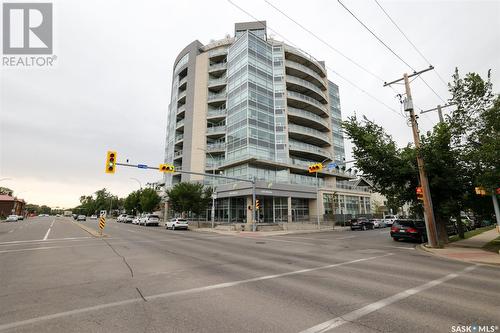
333 71
409 41
391 50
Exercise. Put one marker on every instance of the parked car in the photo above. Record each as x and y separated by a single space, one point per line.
81 218
389 219
136 220
361 224
150 219
409 229
378 223
93 217
177 223
11 218
129 218
20 217
75 216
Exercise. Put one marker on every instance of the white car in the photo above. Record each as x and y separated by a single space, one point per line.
377 223
150 219
177 223
11 218
136 220
93 217
122 218
389 219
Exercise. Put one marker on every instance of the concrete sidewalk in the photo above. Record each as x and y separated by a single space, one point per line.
268 233
469 250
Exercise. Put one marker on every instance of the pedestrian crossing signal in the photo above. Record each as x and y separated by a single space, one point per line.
111 162
315 168
168 168
420 193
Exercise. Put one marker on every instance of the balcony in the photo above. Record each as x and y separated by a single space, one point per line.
309 151
216 130
181 97
182 83
309 119
179 124
179 138
217 68
308 134
217 99
217 113
305 102
177 154
218 83
305 87
304 72
217 147
304 58
218 54
181 110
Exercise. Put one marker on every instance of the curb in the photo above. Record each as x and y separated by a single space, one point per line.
91 231
422 248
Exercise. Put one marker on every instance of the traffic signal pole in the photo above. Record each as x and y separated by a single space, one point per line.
428 209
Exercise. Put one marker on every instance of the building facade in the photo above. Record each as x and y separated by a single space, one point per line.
251 107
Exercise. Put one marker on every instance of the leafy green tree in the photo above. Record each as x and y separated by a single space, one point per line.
5 190
132 203
189 198
149 199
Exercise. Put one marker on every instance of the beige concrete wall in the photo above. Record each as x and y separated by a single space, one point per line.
198 138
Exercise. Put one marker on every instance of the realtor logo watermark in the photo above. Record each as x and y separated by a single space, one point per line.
27 35
474 328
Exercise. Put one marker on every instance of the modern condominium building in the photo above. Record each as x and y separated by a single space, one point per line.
253 107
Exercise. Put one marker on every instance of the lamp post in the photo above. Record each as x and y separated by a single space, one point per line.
214 193
317 194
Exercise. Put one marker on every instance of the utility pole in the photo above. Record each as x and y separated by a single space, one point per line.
439 110
428 210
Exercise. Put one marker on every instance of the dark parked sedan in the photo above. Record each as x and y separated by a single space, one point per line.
361 224
409 229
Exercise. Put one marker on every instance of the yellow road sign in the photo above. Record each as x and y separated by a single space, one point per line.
102 222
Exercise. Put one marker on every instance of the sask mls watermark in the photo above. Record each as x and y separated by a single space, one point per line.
27 35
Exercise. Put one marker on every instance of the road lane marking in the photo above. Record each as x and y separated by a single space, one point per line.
356 314
41 240
10 231
48 231
36 320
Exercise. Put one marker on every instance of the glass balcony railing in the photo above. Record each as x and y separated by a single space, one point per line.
181 95
180 123
216 129
308 131
308 115
305 69
217 52
307 84
181 109
182 81
307 56
305 147
178 153
216 146
218 81
217 66
179 137
308 99
213 97
217 112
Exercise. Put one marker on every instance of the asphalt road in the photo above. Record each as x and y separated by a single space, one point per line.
55 277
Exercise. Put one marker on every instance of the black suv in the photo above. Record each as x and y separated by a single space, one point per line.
409 229
361 223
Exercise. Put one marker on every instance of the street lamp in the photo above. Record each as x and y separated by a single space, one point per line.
138 182
214 193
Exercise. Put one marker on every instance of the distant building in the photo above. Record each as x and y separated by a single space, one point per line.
11 205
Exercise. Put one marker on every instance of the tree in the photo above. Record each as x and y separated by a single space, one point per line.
189 198
5 190
132 203
149 199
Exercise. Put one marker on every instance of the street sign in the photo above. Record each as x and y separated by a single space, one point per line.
102 223
142 166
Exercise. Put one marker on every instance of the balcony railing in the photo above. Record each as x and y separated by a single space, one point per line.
308 99
305 69
179 137
297 145
213 97
216 129
309 131
216 66
178 153
179 123
216 146
308 115
305 55
181 95
217 52
217 112
218 81
182 81
307 84
181 109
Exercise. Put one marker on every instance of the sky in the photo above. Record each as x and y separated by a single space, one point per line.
110 86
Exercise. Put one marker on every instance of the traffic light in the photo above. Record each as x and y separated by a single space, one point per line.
111 162
257 204
420 193
167 168
315 167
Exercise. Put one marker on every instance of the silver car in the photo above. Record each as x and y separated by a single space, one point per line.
11 218
177 223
